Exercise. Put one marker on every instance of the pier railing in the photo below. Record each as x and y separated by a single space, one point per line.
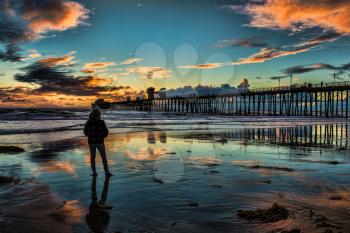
321 100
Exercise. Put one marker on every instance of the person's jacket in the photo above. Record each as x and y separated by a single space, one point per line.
96 131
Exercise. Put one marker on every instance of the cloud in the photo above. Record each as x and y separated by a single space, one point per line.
5 6
11 53
297 15
12 31
203 66
98 65
278 77
236 8
323 38
314 67
88 71
33 54
149 72
57 79
28 97
19 96
266 54
52 15
27 20
131 61
252 42
57 61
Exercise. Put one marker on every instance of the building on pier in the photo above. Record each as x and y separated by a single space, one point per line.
150 93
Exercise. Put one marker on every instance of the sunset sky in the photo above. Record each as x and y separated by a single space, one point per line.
68 53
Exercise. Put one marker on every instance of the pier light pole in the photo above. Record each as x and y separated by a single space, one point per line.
278 78
291 80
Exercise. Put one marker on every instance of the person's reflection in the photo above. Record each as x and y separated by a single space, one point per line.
98 217
163 137
151 139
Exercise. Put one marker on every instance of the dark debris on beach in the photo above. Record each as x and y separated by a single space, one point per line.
5 149
4 180
273 214
272 168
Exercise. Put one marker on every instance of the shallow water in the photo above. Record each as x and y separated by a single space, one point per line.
177 180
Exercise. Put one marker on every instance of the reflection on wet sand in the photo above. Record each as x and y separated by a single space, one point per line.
56 166
147 153
98 217
208 161
48 159
31 207
309 136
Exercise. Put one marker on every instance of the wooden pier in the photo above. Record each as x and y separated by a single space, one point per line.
318 100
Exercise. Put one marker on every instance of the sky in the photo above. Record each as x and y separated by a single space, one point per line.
62 53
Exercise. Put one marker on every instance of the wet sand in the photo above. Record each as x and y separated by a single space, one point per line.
181 181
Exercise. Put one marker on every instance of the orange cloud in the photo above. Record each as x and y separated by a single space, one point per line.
297 15
98 81
55 61
95 88
266 54
88 71
98 65
203 66
57 15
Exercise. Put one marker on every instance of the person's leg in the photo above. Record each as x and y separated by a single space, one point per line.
102 150
92 159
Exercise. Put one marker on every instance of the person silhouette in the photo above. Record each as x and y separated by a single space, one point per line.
96 131
97 218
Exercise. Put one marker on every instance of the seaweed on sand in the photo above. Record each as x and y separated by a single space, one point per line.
5 149
273 214
8 180
272 168
257 165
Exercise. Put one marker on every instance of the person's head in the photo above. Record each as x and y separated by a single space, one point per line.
95 115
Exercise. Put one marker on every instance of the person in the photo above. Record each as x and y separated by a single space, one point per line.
98 218
96 131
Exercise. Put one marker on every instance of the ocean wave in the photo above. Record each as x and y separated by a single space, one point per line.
39 114
28 121
39 130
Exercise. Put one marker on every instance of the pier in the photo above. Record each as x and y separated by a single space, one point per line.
318 100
